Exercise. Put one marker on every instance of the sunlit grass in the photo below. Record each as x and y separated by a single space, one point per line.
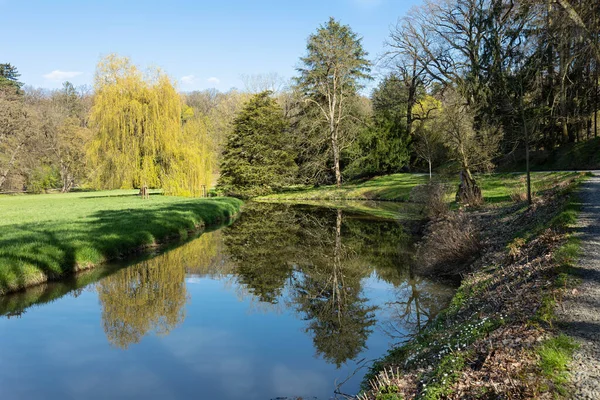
45 237
394 187
496 188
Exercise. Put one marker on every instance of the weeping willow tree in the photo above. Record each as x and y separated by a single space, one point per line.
194 160
141 136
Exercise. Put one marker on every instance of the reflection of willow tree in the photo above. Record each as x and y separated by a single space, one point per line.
205 256
150 296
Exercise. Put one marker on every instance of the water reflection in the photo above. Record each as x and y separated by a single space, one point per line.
322 257
322 265
286 300
417 301
150 296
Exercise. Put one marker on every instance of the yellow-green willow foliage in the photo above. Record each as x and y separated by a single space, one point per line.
194 160
146 297
140 136
151 295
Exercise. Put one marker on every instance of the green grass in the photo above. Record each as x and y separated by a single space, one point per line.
371 209
395 187
555 355
45 237
496 188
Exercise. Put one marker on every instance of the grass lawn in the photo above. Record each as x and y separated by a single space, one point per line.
498 188
44 237
394 187
495 187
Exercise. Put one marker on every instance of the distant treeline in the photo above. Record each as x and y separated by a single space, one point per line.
464 83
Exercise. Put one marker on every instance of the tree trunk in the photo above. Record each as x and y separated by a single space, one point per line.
336 158
67 180
429 169
3 178
468 191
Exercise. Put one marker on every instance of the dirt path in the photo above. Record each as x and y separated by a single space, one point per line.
579 316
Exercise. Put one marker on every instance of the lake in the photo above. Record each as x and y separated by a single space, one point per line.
287 302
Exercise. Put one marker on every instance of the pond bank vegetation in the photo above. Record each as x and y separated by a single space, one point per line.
496 339
48 237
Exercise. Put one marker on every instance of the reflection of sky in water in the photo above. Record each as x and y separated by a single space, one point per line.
230 345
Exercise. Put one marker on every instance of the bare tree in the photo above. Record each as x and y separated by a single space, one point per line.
18 125
258 83
472 149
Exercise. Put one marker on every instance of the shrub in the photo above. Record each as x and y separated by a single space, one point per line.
449 246
433 195
42 179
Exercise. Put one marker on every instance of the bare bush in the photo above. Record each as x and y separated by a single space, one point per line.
449 246
433 196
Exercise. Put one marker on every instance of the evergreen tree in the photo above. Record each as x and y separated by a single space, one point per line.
9 77
257 156
382 147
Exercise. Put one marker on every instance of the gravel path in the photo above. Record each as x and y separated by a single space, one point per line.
579 316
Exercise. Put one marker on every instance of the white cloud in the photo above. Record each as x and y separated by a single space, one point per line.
188 79
213 80
58 75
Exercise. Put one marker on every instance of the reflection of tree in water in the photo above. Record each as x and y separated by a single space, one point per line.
324 255
419 300
329 297
263 243
150 296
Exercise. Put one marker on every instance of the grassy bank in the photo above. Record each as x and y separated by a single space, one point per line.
496 339
46 237
395 187
496 188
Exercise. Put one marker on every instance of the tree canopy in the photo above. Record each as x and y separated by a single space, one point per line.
330 75
258 156
140 138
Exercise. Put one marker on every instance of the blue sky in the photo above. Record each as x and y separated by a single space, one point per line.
201 44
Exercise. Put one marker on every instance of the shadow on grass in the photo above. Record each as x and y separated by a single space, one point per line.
34 253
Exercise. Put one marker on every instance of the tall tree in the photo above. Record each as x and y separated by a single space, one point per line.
428 143
382 146
330 74
472 149
19 125
258 156
140 136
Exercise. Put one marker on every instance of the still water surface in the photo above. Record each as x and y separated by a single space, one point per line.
287 302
